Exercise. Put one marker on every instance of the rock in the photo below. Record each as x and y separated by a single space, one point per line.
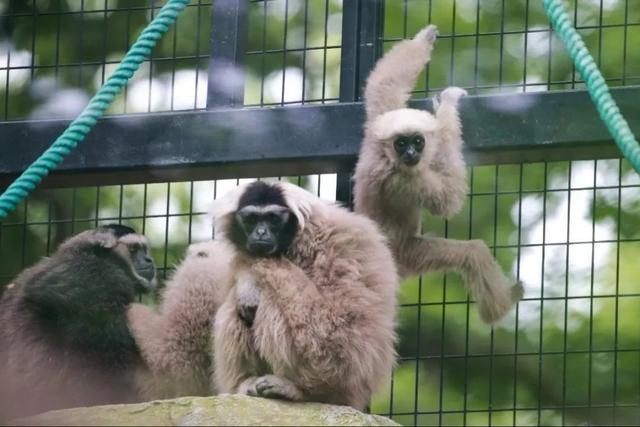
216 410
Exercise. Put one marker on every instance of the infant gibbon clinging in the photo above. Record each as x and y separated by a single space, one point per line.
411 159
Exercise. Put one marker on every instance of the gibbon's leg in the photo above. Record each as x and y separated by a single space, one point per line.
446 172
492 290
235 359
390 84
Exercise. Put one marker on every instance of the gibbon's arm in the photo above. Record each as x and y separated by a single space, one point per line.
483 276
394 76
316 321
447 172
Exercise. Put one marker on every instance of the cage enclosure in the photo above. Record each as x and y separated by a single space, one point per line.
270 89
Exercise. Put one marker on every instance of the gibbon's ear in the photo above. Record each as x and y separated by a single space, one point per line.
223 206
402 122
300 201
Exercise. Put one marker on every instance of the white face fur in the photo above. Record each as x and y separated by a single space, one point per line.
387 127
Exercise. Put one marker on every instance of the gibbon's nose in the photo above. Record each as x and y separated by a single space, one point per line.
410 157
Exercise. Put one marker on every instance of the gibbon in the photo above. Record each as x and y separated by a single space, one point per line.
64 340
411 159
176 341
320 285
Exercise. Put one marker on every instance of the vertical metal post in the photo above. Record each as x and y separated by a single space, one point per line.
361 31
229 25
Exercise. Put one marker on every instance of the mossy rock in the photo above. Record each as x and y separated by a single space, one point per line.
216 410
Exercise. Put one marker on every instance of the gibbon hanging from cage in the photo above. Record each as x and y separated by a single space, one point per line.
411 159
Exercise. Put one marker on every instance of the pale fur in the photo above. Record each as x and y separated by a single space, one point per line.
176 341
324 326
394 195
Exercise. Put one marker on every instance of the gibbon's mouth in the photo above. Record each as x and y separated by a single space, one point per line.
261 248
147 273
410 160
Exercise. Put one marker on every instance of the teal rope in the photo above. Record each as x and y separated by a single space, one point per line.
598 89
80 127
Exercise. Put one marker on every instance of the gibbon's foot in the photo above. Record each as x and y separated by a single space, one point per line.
498 297
427 35
271 387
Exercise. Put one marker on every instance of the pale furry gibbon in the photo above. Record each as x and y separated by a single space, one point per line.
312 314
410 160
64 340
176 341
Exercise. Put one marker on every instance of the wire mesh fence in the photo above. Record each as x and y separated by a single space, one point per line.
569 353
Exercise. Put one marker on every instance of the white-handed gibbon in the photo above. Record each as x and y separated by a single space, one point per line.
64 340
410 160
311 317
176 341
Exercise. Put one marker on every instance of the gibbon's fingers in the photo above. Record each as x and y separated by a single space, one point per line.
492 290
427 35
451 95
394 76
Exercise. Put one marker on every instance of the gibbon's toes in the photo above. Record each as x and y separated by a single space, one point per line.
452 94
427 34
517 291
272 387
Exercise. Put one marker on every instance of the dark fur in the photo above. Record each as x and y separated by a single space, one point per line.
64 340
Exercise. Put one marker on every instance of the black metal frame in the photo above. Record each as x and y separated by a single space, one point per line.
225 141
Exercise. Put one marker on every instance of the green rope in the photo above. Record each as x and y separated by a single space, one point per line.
80 127
598 89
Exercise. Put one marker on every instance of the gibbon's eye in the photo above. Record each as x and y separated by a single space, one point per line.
418 142
400 144
249 219
273 219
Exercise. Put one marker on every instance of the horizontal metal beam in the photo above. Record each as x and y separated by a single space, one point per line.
304 139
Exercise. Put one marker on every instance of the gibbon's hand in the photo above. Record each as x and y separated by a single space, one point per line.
427 35
452 95
103 239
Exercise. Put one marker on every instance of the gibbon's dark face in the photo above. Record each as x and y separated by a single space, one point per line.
134 248
263 224
409 148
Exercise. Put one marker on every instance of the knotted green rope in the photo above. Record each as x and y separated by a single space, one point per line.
80 127
598 89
